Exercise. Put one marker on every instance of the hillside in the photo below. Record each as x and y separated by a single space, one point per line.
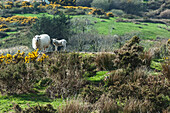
116 58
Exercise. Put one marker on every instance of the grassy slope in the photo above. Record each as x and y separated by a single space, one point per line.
150 31
6 102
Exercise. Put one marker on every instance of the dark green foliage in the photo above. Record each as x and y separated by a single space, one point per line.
132 7
128 56
35 109
44 82
74 12
56 27
83 3
91 93
3 34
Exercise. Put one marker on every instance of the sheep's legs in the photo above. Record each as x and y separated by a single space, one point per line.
64 48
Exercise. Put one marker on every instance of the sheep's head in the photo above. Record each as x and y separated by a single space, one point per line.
55 42
37 38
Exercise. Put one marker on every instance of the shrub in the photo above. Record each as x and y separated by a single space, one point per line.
56 27
25 3
1 6
107 105
131 6
147 57
75 106
117 12
97 12
17 4
128 56
65 2
109 14
165 14
136 106
18 78
139 85
168 46
104 61
166 69
102 4
67 75
84 3
3 34
16 10
35 109
91 93
90 42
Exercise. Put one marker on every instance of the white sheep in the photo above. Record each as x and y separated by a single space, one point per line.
61 42
41 42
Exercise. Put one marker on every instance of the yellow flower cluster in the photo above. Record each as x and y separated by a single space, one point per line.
109 14
29 6
7 6
9 3
42 58
4 28
77 7
66 2
19 19
7 59
96 12
168 41
25 3
18 57
31 57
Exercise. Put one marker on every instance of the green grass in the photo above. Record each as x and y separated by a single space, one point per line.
98 77
156 64
6 102
34 15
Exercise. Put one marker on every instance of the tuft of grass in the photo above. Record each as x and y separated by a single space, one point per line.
156 65
99 76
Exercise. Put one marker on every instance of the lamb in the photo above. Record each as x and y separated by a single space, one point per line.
61 42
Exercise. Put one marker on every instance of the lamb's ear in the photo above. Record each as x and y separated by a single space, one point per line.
36 36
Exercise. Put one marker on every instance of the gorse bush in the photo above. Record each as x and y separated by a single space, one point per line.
18 78
128 56
104 61
67 71
65 2
56 27
166 69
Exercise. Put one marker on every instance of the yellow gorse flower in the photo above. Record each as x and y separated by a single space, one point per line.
31 57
